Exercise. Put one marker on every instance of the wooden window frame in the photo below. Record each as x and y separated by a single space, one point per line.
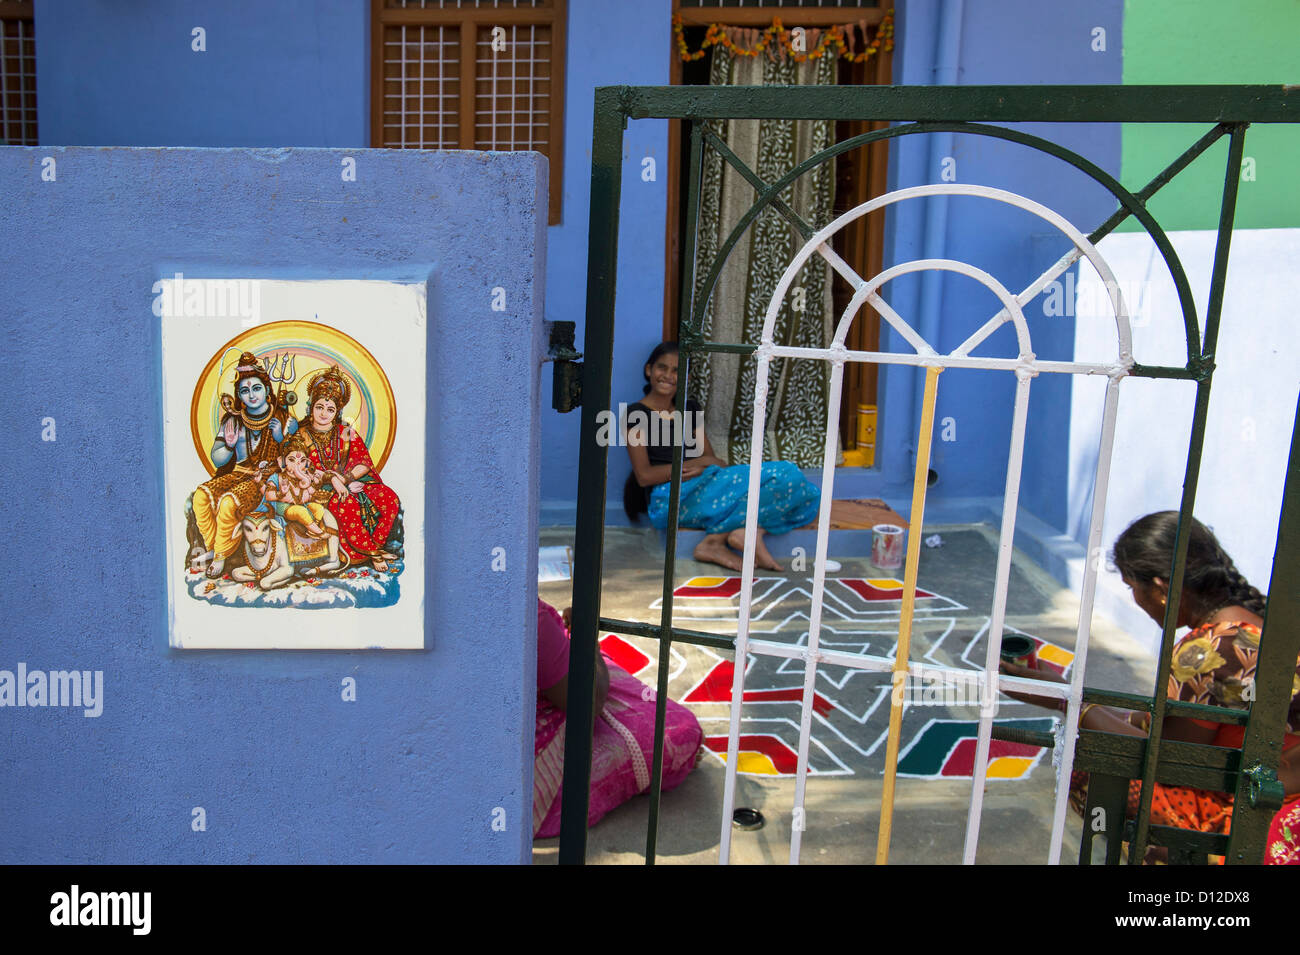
469 20
763 16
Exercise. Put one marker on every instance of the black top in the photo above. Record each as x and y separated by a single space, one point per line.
661 437
662 432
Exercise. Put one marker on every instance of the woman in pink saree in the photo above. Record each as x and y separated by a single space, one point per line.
623 742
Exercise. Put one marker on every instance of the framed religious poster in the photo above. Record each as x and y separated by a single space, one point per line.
293 447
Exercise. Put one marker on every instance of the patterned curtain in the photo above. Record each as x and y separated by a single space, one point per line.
724 384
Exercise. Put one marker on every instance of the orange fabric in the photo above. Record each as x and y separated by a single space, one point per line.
1184 808
1214 665
1203 811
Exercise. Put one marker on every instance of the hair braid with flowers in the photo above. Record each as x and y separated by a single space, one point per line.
1241 591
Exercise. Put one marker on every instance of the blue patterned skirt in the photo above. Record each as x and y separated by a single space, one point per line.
716 500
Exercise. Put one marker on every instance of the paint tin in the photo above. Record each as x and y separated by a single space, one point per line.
887 546
1019 650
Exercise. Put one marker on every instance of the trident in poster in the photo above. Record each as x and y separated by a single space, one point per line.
281 371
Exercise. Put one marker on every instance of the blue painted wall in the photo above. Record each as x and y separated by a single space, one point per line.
610 43
295 73
287 73
286 771
1016 41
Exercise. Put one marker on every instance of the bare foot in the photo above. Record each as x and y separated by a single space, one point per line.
762 556
217 567
714 550
379 565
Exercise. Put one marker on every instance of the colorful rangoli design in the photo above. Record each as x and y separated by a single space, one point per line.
850 707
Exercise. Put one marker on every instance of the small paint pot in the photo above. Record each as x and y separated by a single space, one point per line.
747 819
1019 650
887 542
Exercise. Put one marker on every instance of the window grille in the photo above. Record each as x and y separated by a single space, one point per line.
512 96
17 75
421 87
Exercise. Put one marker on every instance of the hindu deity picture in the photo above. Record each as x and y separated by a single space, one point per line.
294 459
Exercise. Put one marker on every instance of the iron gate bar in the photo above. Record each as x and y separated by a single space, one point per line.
1109 794
1190 373
1193 373
989 104
1127 200
1218 275
589 529
978 364
1188 841
1162 178
694 637
674 502
1273 673
801 225
727 348
937 108
1113 754
1131 701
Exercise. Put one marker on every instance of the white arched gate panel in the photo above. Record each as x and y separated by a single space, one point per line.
1025 366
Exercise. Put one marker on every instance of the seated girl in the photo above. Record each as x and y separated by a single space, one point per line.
622 751
1213 664
714 496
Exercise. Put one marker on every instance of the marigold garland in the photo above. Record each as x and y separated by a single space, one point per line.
716 35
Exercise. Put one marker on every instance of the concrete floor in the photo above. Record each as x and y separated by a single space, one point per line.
848 752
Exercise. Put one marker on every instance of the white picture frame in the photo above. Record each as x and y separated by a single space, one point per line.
367 339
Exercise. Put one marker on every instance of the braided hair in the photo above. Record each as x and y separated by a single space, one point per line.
1211 581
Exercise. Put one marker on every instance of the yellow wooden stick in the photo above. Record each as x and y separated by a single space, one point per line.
905 614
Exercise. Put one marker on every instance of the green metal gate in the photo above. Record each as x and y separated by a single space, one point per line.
1112 760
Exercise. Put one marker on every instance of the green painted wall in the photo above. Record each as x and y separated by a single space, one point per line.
1209 41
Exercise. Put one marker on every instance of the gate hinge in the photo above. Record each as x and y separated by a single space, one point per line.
1265 790
560 340
566 390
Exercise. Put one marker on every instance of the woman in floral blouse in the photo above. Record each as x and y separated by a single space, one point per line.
1214 664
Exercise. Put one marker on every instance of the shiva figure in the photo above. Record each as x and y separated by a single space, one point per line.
247 443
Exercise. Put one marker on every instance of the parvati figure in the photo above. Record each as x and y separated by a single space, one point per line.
363 505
